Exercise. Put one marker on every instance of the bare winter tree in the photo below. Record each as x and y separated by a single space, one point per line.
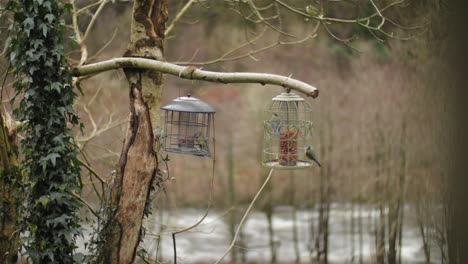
144 65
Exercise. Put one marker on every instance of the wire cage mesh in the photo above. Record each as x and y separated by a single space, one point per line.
287 129
187 125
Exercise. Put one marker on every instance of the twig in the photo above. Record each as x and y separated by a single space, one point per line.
245 216
225 58
93 19
86 204
93 172
179 16
89 6
105 45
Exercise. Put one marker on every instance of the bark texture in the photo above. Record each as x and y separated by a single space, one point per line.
10 194
138 162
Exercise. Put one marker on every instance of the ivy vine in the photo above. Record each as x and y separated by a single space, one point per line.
44 82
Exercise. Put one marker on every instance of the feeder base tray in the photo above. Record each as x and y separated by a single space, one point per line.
275 164
192 151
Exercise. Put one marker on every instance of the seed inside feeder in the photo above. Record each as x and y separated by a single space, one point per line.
186 142
288 147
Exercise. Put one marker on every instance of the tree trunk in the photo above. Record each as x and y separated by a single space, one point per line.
380 196
292 203
321 216
361 242
321 243
232 198
10 194
138 162
267 208
402 191
393 212
421 219
271 230
352 231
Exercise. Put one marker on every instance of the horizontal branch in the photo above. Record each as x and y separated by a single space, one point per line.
193 73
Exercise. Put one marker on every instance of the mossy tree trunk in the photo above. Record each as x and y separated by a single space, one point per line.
138 162
10 194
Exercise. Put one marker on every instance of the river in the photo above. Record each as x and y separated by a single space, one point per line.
208 241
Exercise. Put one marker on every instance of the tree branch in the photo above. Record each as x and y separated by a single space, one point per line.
193 73
179 16
234 239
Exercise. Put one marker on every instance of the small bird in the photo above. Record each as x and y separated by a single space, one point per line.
200 140
158 132
310 154
312 10
275 123
158 136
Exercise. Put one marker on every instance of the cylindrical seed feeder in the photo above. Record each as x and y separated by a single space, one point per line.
287 129
187 124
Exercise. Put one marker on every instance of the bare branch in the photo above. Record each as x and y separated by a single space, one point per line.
84 9
345 41
193 73
264 21
93 19
105 45
90 208
179 16
332 19
92 171
234 239
250 53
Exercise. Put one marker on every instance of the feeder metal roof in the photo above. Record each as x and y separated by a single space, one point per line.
188 104
288 97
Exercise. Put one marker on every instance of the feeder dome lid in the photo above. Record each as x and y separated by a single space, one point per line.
188 104
292 97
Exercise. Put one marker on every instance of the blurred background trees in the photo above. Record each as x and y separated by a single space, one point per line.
383 129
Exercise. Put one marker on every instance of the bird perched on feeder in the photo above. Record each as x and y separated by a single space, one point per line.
200 140
158 132
275 123
310 154
158 136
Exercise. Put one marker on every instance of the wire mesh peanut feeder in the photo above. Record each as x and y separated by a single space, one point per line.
287 129
187 125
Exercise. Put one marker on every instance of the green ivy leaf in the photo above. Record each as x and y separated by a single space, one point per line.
28 23
44 30
49 18
43 80
44 200
53 158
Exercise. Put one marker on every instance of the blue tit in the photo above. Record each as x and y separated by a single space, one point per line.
275 123
310 154
158 132
200 140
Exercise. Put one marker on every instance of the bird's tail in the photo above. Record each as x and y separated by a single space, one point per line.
318 163
277 131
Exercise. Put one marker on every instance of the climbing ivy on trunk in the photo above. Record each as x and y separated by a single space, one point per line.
44 83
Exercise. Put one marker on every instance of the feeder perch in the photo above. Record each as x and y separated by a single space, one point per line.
187 125
286 134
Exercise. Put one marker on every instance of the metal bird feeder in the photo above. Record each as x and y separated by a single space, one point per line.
187 125
286 130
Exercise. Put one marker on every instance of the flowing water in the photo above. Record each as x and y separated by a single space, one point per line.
207 242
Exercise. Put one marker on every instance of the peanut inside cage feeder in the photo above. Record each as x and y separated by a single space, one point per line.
187 124
286 130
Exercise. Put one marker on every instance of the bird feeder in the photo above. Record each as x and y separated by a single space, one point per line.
187 125
287 129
